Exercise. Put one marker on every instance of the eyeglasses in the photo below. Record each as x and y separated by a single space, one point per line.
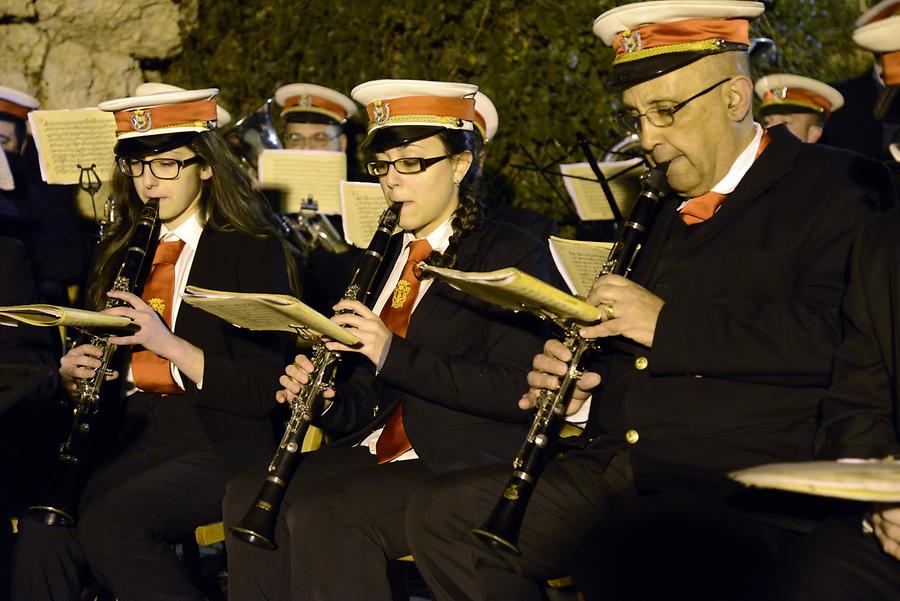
160 168
659 117
404 166
318 140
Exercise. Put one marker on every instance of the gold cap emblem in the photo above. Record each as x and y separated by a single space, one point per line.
631 41
141 120
381 111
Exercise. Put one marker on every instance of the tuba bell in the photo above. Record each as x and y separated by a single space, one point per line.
252 134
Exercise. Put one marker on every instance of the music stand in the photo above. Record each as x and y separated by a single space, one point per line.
18 381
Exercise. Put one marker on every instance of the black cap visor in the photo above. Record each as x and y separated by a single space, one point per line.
398 135
630 73
144 145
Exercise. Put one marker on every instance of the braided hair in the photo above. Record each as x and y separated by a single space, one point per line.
470 211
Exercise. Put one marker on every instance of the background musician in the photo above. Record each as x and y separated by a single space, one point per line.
435 368
719 346
197 392
802 104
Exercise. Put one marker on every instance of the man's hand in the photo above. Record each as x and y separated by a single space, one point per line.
81 362
547 368
364 324
629 310
886 521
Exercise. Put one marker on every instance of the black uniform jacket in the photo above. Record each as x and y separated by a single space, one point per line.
462 367
241 367
743 347
859 414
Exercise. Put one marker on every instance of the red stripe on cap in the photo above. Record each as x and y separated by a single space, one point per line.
167 115
317 102
795 94
657 35
14 109
443 106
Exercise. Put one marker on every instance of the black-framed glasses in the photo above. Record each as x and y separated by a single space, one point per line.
317 140
405 165
160 168
659 117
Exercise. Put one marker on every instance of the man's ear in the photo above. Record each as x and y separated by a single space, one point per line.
343 142
813 133
740 98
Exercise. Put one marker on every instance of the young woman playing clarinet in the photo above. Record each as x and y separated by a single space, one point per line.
195 393
432 386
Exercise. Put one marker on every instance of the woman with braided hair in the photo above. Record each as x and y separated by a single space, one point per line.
431 387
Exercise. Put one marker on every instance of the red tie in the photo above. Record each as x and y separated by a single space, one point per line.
396 312
151 372
701 208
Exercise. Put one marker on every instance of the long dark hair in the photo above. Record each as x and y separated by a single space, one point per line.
470 211
228 201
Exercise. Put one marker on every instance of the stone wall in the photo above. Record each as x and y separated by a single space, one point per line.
76 53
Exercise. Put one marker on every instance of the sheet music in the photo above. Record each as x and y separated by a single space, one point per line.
587 193
857 479
304 173
362 204
68 138
579 262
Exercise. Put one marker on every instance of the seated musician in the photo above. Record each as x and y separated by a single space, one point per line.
196 393
432 386
718 346
855 554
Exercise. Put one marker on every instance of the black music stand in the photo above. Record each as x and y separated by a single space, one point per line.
17 381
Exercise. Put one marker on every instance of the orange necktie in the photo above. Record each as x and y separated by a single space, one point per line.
396 312
701 208
151 372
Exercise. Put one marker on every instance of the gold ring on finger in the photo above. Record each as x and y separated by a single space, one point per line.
608 309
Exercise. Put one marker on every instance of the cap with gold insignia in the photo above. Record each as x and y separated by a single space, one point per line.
654 38
223 117
15 104
162 121
783 93
486 118
311 103
878 30
404 110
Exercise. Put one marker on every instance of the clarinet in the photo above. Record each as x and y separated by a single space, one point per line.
257 528
60 503
501 530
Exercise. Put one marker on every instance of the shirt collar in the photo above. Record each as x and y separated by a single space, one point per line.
189 231
741 165
439 239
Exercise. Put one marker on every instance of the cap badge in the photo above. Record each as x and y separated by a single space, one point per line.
304 101
141 120
381 112
780 93
631 41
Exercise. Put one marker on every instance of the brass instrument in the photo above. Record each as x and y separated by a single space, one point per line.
258 525
310 229
501 530
252 134
60 504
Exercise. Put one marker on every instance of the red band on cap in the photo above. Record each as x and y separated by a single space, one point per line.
157 117
804 96
14 109
659 35
481 124
441 106
890 61
316 102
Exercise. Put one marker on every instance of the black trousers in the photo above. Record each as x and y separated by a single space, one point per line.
341 521
161 480
838 561
572 496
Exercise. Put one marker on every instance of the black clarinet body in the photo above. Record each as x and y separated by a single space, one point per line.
59 505
258 525
501 529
